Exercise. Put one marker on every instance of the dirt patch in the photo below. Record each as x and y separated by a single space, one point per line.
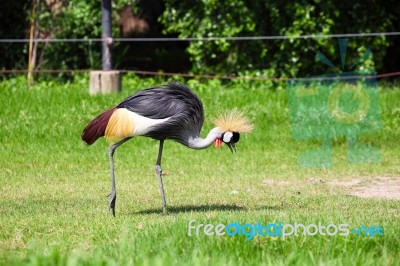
383 187
346 183
271 182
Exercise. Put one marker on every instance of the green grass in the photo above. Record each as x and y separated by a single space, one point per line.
53 204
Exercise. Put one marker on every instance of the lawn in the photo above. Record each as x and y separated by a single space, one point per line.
54 209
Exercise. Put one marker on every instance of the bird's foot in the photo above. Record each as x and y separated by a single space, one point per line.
113 197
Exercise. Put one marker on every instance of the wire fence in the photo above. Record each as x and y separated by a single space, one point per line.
219 38
192 39
205 76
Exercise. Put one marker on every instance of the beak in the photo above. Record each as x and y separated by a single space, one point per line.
232 147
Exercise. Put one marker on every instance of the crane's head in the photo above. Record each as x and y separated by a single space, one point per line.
229 138
231 124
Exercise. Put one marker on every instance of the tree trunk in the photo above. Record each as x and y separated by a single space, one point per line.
33 35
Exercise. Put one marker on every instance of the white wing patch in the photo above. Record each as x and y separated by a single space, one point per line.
124 123
143 124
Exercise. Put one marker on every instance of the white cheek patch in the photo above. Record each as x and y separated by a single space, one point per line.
227 137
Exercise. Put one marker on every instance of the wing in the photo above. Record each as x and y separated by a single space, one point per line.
174 101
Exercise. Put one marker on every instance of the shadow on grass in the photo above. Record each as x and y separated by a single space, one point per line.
269 208
193 208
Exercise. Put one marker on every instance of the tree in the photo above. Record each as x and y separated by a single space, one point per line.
294 57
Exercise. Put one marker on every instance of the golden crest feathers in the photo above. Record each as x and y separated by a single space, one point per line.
234 121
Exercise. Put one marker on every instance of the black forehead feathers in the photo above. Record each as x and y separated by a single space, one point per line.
235 137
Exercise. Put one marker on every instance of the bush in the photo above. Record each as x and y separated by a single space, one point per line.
291 58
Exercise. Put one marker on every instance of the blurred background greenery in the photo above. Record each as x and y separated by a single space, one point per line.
208 18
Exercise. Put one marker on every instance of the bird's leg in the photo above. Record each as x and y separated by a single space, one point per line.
113 195
159 175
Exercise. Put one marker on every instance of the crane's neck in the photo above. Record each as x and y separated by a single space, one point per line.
196 142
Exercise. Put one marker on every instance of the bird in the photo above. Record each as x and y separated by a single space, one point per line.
166 112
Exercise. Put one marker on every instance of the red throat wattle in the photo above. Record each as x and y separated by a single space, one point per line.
217 143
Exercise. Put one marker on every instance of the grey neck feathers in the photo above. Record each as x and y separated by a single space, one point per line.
196 142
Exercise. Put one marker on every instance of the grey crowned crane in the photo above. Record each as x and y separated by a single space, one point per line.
171 111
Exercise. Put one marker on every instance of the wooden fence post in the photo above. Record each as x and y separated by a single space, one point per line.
105 81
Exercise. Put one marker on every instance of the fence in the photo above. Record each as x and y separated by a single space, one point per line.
193 39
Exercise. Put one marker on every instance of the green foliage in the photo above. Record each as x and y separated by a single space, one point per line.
76 19
210 18
14 24
266 18
71 19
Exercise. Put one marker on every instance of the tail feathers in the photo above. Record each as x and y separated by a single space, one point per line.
97 127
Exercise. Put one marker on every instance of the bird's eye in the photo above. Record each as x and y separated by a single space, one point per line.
235 137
